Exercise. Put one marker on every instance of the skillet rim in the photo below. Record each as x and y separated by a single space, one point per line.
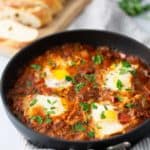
23 50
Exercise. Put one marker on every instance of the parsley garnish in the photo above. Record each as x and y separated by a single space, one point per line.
78 127
98 59
94 106
50 112
69 78
33 102
126 68
48 120
85 106
38 119
83 61
91 134
51 102
79 86
119 99
103 115
126 64
36 67
119 85
73 63
133 7
129 105
90 77
105 106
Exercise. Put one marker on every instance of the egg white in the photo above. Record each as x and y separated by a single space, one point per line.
52 81
113 75
53 104
105 126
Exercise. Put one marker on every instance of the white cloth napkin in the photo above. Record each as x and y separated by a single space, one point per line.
105 15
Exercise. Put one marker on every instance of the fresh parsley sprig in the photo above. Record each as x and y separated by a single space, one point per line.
133 7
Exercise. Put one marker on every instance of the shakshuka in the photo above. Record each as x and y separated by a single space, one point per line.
81 92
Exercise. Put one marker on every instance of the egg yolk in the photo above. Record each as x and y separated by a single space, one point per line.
111 115
60 74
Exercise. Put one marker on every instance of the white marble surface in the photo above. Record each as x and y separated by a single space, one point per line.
96 19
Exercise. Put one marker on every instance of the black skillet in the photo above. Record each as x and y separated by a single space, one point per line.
92 37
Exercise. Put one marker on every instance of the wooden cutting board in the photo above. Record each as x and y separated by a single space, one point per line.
71 10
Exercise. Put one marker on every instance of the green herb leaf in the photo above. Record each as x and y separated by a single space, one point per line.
90 77
126 64
102 115
33 102
36 67
78 127
38 119
85 106
69 78
119 85
50 112
119 99
94 106
133 7
129 89
91 134
83 61
98 59
129 105
48 120
79 86
52 108
133 72
126 68
105 106
73 63
49 101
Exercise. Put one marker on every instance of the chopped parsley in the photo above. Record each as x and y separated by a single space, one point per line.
50 112
90 77
94 106
129 89
97 59
85 106
79 86
83 61
91 134
48 120
133 7
102 115
126 64
36 67
105 106
38 119
51 102
133 72
69 78
119 84
119 99
79 127
129 105
33 102
126 68
73 63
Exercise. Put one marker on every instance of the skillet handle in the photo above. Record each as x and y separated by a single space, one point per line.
121 146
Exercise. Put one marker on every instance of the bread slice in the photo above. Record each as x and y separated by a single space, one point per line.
14 36
12 30
34 13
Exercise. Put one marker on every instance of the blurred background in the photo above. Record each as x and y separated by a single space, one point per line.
128 17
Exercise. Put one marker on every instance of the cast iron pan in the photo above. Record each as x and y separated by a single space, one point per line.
92 37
